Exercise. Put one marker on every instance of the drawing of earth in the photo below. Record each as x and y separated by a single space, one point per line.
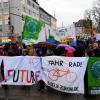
96 70
32 26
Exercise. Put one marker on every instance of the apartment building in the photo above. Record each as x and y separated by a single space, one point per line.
48 19
12 15
83 28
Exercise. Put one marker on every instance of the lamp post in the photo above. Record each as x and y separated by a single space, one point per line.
11 28
9 11
14 13
3 20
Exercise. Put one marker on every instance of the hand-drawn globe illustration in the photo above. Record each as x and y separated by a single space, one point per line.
32 26
96 69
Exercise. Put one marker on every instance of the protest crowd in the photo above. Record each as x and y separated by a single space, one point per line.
82 48
89 48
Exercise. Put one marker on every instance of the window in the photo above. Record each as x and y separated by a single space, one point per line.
0 11
0 27
6 11
0 21
23 17
33 5
6 5
37 15
24 9
29 12
23 0
42 16
6 21
36 7
0 5
28 2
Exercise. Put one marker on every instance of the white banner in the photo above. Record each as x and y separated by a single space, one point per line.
0 69
1 57
21 70
65 74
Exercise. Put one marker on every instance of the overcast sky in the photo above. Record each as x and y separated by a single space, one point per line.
66 11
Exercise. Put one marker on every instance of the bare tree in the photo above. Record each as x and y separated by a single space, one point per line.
87 14
96 12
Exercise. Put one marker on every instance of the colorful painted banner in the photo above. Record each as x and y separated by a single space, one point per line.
67 34
94 75
32 28
1 57
0 69
35 31
21 70
31 31
65 74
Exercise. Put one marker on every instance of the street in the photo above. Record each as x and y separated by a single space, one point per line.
32 93
49 50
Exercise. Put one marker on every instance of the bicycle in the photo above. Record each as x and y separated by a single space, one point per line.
56 73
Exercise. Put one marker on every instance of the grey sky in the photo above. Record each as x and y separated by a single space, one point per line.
67 11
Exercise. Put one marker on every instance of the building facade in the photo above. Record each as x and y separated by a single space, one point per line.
48 19
83 29
54 23
21 9
44 16
4 16
12 15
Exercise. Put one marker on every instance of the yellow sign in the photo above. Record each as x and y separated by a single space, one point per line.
65 40
5 40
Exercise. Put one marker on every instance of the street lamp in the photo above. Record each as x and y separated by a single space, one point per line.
14 13
2 14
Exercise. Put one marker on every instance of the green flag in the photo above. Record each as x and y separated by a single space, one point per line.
32 28
94 75
50 36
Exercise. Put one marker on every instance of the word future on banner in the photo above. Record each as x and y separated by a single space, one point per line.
22 70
